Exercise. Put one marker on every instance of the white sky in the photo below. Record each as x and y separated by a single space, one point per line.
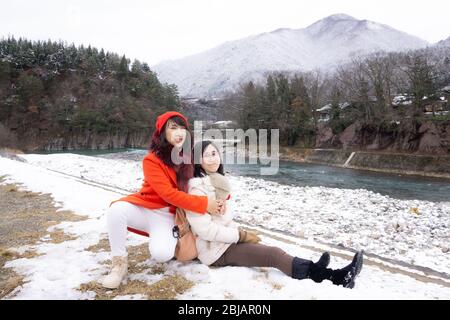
152 31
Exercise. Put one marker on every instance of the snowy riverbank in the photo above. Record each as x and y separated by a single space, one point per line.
355 218
417 232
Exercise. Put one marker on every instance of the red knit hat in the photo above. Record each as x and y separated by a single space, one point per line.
162 119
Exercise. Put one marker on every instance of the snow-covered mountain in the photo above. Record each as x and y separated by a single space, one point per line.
445 42
321 45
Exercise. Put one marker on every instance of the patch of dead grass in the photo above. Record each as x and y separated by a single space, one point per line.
137 255
7 255
11 188
9 280
59 236
10 283
25 217
165 289
101 246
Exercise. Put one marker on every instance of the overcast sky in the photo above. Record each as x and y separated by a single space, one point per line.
152 31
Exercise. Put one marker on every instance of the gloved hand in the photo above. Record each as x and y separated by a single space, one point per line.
248 236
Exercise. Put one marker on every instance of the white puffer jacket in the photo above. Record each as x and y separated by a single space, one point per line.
214 233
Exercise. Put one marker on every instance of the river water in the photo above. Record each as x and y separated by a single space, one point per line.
306 174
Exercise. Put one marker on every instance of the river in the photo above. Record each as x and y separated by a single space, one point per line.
306 174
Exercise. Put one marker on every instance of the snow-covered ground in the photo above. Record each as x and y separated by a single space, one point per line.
355 218
358 219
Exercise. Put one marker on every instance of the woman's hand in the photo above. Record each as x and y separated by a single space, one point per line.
214 206
223 208
247 236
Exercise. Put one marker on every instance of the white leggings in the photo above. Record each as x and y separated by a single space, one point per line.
157 222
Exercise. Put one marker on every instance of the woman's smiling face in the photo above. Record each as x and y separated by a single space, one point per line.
210 159
175 134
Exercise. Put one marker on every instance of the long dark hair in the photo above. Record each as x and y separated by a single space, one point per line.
198 153
163 149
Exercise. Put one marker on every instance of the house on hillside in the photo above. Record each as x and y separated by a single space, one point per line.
439 106
402 100
324 113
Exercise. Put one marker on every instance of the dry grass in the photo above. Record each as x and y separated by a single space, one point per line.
58 236
9 281
102 245
25 217
137 255
11 188
169 287
166 289
7 255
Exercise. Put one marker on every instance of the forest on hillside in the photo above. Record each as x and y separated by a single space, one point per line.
55 89
57 96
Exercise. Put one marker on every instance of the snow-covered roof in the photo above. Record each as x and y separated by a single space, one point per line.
401 100
328 107
344 105
324 108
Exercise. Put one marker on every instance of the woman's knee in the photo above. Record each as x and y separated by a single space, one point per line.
118 207
118 210
162 254
162 249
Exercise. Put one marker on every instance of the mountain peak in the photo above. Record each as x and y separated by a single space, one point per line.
445 42
330 22
323 45
339 16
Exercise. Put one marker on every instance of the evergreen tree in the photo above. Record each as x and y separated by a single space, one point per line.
123 70
57 88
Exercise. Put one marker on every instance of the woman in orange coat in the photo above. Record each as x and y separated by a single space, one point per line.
152 209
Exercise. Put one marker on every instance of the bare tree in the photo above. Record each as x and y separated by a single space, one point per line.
421 76
354 85
379 69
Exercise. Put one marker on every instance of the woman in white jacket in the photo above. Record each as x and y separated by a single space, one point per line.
221 243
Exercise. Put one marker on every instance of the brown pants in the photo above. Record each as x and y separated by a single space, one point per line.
256 255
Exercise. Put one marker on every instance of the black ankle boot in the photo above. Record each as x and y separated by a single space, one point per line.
324 260
345 276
